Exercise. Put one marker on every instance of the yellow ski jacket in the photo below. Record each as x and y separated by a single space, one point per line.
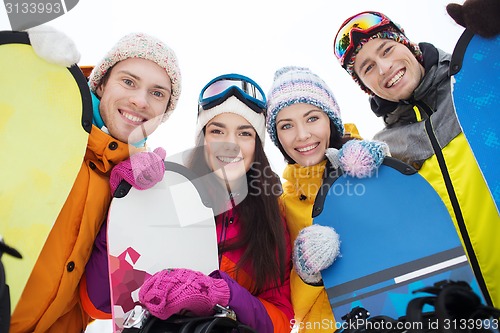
310 303
425 132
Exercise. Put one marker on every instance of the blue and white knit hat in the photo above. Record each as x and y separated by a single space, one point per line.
293 85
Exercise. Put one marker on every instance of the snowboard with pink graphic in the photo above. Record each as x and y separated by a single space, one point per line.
170 225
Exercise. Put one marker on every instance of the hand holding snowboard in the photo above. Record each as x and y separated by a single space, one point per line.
315 249
358 158
53 46
173 291
479 16
142 170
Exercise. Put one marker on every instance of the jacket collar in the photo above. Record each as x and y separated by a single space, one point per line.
105 152
304 182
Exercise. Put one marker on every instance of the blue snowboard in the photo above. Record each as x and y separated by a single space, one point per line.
476 95
396 237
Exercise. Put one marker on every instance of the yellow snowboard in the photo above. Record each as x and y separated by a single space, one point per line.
46 117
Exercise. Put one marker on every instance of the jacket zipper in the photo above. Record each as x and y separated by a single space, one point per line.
223 231
454 203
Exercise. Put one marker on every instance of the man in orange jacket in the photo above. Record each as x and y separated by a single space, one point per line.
135 87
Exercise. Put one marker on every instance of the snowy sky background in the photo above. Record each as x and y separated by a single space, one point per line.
253 38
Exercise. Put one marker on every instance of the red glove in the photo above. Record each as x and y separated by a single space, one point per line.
172 291
142 170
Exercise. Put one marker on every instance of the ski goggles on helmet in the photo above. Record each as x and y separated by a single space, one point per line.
225 86
362 24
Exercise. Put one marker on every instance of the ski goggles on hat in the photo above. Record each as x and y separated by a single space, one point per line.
225 86
363 23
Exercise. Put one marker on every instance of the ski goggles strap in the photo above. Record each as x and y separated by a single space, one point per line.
224 86
363 23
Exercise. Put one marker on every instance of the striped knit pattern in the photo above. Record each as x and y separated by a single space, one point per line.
294 85
315 248
359 158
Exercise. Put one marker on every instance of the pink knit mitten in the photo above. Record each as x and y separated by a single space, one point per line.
172 291
142 170
315 249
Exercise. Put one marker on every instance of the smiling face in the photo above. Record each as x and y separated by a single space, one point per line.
134 98
304 133
388 68
229 146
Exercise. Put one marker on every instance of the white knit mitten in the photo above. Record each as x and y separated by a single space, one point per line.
358 158
315 249
53 45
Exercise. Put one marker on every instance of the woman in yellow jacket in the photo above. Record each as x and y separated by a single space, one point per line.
132 89
304 121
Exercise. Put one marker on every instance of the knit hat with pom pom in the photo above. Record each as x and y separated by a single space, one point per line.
141 45
293 85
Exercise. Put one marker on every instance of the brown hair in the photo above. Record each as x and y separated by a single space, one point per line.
336 141
263 231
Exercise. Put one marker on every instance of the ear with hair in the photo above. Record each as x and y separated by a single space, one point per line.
479 16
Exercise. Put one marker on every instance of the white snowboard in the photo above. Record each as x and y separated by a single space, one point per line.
167 226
